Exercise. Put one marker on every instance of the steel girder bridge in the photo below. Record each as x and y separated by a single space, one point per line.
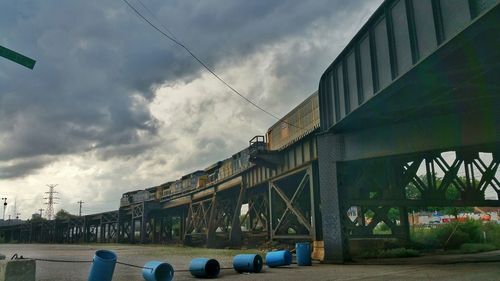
412 101
274 198
280 199
414 96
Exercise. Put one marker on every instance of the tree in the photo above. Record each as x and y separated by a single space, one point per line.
452 193
63 214
37 217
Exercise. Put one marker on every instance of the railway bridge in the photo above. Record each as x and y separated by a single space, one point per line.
408 111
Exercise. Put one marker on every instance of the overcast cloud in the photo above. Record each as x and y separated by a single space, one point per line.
113 106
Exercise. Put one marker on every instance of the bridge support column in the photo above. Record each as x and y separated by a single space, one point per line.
212 224
144 220
183 227
334 235
119 234
235 235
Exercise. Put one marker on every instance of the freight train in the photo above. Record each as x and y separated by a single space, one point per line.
300 121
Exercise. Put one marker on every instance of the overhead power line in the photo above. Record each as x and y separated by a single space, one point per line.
157 20
201 62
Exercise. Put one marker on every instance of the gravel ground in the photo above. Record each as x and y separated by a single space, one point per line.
179 258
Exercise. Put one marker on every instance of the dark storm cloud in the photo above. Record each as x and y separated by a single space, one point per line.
22 167
98 65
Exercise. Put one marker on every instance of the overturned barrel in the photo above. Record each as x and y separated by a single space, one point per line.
303 251
247 263
278 258
103 266
157 271
204 268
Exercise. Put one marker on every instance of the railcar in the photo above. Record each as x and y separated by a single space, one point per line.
137 196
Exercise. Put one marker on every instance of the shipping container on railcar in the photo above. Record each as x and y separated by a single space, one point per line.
143 195
212 173
177 187
240 161
226 169
166 189
186 182
299 122
198 179
192 181
153 193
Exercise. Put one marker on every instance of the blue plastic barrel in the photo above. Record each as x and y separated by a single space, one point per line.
157 271
247 263
303 253
278 258
103 266
204 268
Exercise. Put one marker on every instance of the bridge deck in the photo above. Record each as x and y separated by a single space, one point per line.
386 76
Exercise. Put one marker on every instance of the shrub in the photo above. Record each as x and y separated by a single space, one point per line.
382 229
399 253
492 231
451 236
469 248
424 239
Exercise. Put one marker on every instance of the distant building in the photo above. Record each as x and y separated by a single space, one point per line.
11 222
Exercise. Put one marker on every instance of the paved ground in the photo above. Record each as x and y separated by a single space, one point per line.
464 267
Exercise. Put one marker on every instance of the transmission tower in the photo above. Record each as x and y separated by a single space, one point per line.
50 200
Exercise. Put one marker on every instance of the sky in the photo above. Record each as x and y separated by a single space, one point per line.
113 106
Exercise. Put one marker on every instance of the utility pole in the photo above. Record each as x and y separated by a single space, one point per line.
41 210
14 212
50 200
4 206
80 203
18 215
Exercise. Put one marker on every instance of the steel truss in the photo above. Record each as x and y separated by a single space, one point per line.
379 191
215 220
256 218
292 205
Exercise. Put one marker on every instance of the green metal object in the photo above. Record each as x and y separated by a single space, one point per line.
17 57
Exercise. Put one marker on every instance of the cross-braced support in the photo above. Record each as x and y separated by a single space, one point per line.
256 218
376 193
197 219
292 206
214 221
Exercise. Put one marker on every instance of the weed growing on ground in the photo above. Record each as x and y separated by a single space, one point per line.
454 235
391 253
470 248
492 233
